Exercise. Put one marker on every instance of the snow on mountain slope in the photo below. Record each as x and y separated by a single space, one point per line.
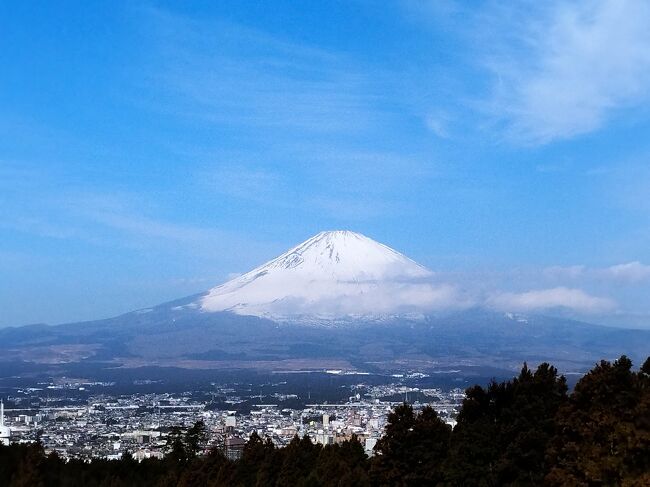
331 275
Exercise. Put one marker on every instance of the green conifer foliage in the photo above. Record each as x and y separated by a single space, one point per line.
603 432
413 449
503 432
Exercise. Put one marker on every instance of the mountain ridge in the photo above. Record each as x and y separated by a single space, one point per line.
386 336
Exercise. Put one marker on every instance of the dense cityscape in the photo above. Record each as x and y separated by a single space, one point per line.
105 425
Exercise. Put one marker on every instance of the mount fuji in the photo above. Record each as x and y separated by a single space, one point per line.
332 275
374 310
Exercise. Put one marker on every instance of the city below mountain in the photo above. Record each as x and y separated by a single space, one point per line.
337 301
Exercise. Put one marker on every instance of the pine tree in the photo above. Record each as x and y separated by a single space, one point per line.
603 432
175 451
502 432
299 461
195 438
413 448
343 464
392 449
30 469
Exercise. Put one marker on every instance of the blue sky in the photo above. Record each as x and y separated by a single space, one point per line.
150 150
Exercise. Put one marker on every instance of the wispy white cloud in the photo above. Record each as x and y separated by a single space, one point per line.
278 296
121 219
564 272
547 299
295 113
567 67
231 75
631 272
152 228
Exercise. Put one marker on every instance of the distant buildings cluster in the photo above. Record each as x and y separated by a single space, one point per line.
108 426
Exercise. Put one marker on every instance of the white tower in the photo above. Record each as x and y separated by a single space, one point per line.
5 432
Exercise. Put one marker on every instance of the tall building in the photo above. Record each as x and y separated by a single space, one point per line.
234 447
5 432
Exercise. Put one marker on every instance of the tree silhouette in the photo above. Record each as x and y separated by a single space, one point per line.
503 431
195 438
413 448
603 432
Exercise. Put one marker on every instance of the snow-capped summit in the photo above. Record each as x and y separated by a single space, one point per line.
344 256
332 274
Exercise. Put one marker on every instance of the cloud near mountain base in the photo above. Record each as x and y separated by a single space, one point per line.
350 299
545 299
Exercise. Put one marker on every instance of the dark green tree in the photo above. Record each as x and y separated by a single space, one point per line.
195 439
645 368
213 469
175 451
392 450
30 472
343 464
528 424
503 431
260 462
603 432
413 448
299 461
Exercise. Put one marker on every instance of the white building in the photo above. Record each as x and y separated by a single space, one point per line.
370 446
5 432
231 422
